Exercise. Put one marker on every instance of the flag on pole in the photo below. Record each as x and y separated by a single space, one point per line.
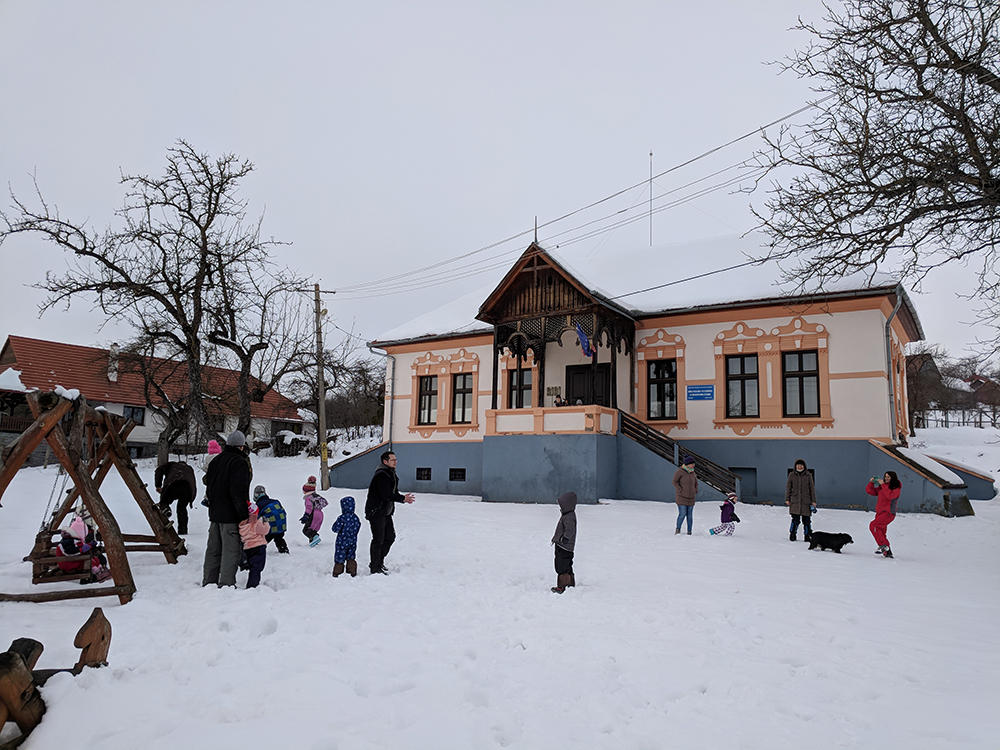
584 342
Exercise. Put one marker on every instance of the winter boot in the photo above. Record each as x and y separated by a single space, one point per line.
792 536
887 552
572 579
352 567
678 531
338 568
314 541
881 549
562 581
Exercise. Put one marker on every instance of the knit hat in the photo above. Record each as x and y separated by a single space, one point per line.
214 447
731 496
78 529
236 439
309 486
688 460
258 492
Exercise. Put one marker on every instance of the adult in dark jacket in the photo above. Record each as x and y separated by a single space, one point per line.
685 489
228 493
175 481
383 494
800 497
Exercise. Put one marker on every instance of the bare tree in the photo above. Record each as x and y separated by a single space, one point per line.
263 323
179 239
360 399
139 357
901 164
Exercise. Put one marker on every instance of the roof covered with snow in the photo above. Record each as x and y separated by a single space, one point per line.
674 278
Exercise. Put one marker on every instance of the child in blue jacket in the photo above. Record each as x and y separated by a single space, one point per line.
272 512
346 528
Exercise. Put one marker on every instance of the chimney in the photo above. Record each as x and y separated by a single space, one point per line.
113 363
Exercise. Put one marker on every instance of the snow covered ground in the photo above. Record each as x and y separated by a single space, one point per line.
667 641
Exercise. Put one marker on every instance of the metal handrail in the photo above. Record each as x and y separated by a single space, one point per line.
707 471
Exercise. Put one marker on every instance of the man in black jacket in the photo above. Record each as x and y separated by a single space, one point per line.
228 493
383 494
175 481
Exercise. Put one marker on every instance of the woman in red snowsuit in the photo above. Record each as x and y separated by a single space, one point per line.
887 490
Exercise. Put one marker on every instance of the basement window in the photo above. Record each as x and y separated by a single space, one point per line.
424 475
456 475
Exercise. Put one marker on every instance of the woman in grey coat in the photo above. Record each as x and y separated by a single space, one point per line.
800 497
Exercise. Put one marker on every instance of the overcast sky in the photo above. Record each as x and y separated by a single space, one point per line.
392 136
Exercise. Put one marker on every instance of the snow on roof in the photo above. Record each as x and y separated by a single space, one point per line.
455 318
687 275
939 470
10 380
956 384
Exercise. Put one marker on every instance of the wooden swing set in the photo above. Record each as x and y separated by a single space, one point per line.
93 444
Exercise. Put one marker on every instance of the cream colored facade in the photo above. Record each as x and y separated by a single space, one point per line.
848 335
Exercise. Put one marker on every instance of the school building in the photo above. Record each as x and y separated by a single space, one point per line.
659 353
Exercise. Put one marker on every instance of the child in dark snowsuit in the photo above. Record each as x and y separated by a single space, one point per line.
272 512
729 517
346 528
565 541
312 520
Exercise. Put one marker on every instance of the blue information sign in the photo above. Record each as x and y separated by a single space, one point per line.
701 393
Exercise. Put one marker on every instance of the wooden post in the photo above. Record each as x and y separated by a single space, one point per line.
30 439
173 545
95 640
18 693
110 531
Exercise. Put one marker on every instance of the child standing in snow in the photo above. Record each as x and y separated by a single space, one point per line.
312 520
253 533
272 512
346 528
565 541
729 517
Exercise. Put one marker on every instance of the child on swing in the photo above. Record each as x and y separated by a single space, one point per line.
78 539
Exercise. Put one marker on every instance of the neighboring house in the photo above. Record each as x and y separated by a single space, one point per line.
938 400
745 376
32 364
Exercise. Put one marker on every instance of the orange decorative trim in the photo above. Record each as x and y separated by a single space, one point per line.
444 367
857 375
461 342
800 426
660 344
797 335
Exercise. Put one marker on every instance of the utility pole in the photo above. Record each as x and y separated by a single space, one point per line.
324 471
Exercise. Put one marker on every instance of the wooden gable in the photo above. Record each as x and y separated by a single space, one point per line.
536 286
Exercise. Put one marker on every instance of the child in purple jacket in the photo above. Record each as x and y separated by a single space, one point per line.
312 520
729 517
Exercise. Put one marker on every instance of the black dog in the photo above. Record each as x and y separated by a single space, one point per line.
825 541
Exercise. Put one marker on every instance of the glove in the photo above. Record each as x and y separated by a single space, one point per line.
736 518
304 518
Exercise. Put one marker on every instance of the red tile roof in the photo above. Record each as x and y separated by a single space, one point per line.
47 364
